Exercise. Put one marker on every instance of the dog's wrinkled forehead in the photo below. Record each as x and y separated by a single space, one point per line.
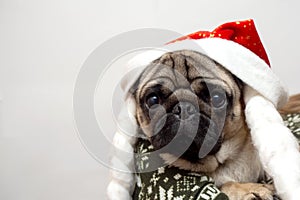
179 69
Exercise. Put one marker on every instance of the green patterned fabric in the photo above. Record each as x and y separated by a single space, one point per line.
171 183
292 121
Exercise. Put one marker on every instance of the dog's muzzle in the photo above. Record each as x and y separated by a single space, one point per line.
183 131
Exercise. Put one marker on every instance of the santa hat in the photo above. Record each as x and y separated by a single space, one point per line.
237 47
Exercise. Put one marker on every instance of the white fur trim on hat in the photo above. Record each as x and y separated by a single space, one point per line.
277 147
240 61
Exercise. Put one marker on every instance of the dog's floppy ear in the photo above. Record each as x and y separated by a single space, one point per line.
130 82
133 89
239 82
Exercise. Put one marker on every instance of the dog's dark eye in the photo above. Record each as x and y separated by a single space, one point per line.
218 98
152 99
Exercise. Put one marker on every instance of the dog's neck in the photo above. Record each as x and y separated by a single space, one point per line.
233 145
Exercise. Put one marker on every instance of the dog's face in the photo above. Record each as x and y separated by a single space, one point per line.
187 103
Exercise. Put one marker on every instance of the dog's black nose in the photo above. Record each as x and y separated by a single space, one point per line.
184 110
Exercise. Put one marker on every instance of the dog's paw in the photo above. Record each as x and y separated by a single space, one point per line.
248 191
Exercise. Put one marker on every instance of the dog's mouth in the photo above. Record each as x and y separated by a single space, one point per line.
185 148
186 139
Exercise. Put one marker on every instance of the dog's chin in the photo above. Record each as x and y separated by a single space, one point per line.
182 147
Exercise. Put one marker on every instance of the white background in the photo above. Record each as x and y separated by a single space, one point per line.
42 47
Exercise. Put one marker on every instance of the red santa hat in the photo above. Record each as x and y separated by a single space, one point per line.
237 47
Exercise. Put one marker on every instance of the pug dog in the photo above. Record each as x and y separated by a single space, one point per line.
192 109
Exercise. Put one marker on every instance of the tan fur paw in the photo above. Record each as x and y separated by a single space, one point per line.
248 191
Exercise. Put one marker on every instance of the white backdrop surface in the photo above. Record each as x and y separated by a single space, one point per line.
42 47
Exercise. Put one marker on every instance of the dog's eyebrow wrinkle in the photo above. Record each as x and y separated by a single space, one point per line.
210 80
201 77
218 83
174 70
187 68
147 84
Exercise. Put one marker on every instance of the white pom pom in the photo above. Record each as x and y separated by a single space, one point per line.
123 180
